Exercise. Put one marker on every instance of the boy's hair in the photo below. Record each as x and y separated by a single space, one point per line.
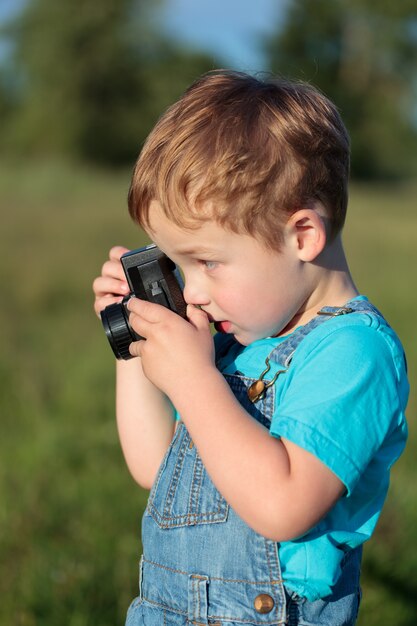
246 153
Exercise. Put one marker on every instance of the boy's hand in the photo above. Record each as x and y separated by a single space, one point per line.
175 350
111 285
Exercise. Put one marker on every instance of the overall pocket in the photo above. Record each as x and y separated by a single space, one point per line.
183 493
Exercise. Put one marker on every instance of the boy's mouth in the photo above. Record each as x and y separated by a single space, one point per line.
223 326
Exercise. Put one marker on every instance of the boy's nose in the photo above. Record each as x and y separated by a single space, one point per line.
193 294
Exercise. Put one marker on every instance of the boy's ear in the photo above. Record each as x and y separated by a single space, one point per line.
308 232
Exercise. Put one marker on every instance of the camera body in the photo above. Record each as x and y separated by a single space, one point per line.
151 276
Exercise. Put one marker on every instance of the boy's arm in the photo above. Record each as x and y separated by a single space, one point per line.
145 421
145 416
278 488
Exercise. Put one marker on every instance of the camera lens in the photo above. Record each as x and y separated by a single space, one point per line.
119 333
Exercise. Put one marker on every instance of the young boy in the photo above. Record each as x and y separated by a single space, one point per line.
267 449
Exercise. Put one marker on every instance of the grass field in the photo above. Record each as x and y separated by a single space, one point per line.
70 513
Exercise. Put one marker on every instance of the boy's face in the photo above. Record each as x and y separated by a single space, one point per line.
245 288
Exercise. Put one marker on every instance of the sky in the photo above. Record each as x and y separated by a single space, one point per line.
231 31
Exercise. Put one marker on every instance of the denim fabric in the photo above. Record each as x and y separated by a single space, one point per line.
341 607
203 565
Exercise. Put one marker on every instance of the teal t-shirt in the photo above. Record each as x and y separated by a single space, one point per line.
343 399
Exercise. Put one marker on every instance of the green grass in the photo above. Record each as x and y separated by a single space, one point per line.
70 513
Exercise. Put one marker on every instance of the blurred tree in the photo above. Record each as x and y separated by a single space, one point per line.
91 78
5 96
363 55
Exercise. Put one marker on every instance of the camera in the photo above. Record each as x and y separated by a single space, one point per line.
152 276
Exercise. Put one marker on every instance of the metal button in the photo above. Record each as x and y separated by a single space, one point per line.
263 603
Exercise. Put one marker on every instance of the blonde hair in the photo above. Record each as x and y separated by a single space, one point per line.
246 153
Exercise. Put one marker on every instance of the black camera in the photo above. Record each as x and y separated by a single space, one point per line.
152 276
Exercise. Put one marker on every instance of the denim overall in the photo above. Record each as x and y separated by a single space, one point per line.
202 564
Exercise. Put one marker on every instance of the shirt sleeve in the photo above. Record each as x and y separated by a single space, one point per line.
340 400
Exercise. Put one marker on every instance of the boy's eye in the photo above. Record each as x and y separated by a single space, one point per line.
210 265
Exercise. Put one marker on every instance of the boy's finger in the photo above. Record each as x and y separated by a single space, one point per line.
140 325
102 302
113 269
149 311
135 348
106 285
116 252
197 317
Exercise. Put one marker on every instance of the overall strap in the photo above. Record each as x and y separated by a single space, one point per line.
284 352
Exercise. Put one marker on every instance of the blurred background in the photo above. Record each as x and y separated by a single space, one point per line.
81 84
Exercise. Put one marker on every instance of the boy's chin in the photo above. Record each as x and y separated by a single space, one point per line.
242 337
245 340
